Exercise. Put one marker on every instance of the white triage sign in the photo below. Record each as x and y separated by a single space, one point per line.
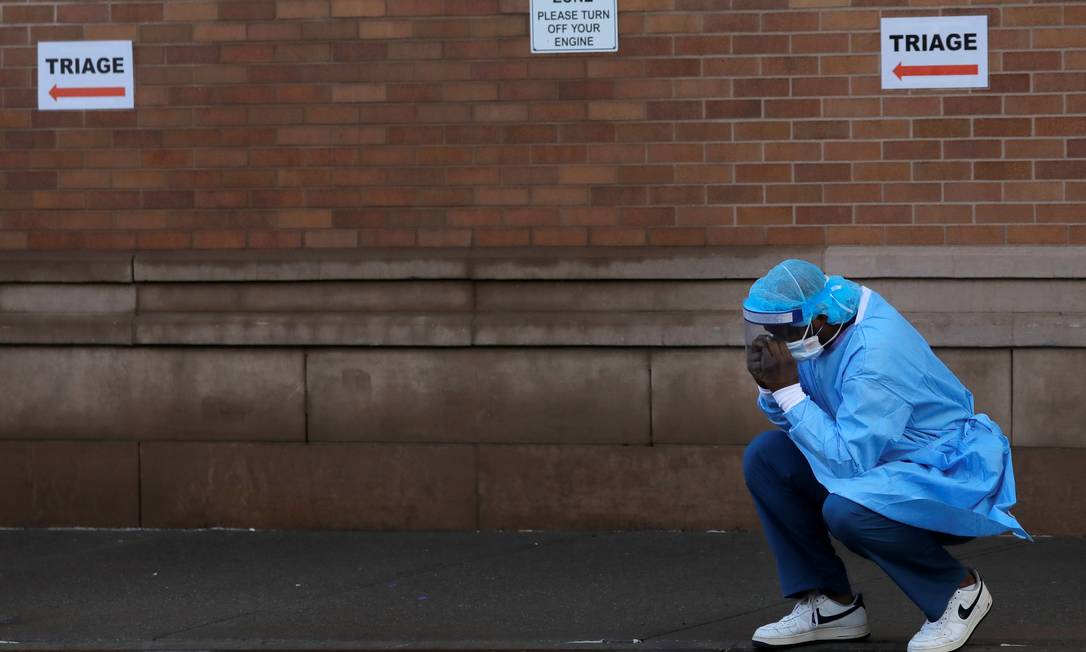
935 52
85 75
574 25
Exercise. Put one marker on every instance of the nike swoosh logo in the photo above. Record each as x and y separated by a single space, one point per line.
964 613
822 620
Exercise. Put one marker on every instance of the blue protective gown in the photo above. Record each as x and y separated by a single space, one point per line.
887 425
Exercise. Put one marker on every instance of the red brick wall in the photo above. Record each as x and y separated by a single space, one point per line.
318 123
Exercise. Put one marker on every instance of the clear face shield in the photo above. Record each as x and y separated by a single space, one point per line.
787 326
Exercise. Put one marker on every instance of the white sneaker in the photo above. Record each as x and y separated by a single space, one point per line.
815 618
967 607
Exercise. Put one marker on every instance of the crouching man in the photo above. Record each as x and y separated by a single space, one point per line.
880 447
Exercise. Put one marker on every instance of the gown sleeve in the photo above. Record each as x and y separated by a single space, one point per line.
850 442
772 411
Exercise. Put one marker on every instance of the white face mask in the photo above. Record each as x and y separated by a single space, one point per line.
809 348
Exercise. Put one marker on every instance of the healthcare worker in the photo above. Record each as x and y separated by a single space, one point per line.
879 446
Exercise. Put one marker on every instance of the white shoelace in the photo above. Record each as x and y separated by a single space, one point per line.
938 624
807 601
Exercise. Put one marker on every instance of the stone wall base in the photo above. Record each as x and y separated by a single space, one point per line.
472 391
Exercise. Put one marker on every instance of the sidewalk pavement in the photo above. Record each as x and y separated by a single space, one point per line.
649 590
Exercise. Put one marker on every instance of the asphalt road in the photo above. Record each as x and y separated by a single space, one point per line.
241 590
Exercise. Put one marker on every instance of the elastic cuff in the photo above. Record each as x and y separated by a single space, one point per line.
789 397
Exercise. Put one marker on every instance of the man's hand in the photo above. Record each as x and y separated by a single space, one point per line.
754 359
777 367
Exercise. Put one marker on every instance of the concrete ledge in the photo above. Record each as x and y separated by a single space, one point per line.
988 375
1051 490
971 330
639 263
57 329
304 329
147 394
956 262
609 296
67 298
706 396
297 486
68 267
1048 405
445 329
308 265
613 487
498 263
287 297
979 312
986 329
999 297
982 295
479 395
981 330
1050 330
439 487
912 295
607 329
534 263
94 484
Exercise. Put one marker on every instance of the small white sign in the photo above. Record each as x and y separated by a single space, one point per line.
574 25
935 52
85 75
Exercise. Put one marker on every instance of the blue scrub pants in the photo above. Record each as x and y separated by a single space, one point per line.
798 514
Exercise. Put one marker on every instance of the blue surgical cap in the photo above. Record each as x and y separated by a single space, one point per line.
799 288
